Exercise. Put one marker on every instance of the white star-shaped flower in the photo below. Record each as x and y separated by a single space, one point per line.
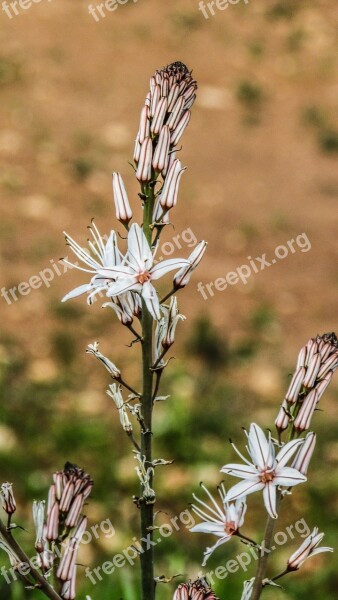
137 271
223 522
266 472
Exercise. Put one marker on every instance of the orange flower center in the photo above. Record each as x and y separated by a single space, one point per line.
230 527
267 476
144 277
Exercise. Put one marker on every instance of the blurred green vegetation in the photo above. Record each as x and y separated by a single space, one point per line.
44 423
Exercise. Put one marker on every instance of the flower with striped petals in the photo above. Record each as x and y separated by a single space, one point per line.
137 271
266 472
222 522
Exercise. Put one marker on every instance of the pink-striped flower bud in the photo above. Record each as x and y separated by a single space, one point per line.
75 511
67 496
307 549
295 385
68 588
159 116
312 371
303 419
161 153
176 113
283 418
58 482
169 193
183 276
52 530
137 149
144 129
173 95
303 457
143 173
7 498
122 207
155 98
180 127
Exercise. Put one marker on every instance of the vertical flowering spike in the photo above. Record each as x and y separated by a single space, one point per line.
303 457
39 524
7 498
122 206
143 173
169 193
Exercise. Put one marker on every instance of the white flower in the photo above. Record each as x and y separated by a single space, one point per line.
308 548
223 522
266 472
138 271
102 255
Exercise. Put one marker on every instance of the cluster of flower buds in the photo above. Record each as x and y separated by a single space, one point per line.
164 117
66 499
317 361
198 590
7 498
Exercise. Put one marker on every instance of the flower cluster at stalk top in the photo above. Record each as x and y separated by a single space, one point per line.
127 280
197 590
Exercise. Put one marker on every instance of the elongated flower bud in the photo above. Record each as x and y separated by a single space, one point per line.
7 498
303 419
144 130
122 207
303 457
162 150
143 173
307 549
39 522
180 128
283 418
169 193
183 276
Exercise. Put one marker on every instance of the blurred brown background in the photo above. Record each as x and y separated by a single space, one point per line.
261 152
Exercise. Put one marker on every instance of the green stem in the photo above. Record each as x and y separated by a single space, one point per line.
147 510
264 557
41 582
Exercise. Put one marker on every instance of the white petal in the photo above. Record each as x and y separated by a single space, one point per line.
209 528
287 476
138 248
243 471
287 452
244 488
166 266
124 285
150 297
259 447
209 551
81 289
269 496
